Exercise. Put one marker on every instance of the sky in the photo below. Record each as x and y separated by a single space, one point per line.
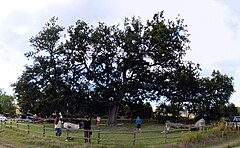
214 27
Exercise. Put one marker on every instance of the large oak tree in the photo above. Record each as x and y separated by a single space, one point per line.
92 69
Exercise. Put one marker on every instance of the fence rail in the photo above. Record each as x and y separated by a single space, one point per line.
100 135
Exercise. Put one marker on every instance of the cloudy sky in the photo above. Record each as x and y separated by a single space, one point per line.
214 26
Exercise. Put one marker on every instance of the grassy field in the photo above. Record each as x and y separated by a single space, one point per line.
34 136
103 136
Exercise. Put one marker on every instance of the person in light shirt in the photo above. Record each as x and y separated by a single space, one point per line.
58 124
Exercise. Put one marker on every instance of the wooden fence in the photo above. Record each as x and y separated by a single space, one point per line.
100 136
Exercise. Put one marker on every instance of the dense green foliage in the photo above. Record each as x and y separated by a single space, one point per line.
1 94
99 70
209 99
7 105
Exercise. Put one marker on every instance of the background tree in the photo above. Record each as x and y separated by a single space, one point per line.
134 109
7 105
2 93
203 97
183 88
230 110
215 94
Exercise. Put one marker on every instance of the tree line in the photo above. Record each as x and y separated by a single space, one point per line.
105 69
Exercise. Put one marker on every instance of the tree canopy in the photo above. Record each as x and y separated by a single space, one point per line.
94 70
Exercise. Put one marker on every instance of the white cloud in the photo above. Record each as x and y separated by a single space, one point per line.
21 30
11 65
28 5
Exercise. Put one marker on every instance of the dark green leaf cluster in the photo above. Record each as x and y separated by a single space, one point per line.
94 70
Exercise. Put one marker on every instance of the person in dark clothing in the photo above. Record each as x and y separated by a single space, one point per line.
87 129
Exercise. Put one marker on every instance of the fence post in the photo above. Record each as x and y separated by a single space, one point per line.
165 137
28 128
98 136
44 131
17 126
134 137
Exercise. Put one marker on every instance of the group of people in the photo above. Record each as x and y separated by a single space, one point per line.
86 126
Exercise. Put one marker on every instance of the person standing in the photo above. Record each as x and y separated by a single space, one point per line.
87 129
58 124
138 124
98 120
132 118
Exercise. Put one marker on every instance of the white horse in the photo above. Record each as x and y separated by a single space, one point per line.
200 124
169 124
71 126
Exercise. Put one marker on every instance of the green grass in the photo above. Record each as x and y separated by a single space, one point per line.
110 137
116 136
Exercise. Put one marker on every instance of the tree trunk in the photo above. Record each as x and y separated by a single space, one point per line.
113 109
112 115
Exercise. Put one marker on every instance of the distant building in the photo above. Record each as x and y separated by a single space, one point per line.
18 112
